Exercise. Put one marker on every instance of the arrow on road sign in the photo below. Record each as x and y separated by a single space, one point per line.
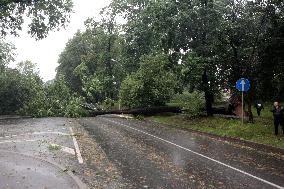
243 84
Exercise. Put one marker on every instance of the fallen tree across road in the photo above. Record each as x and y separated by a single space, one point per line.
138 111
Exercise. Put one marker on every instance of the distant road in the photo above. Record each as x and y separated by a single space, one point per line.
153 156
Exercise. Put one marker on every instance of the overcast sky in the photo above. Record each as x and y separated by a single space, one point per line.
46 52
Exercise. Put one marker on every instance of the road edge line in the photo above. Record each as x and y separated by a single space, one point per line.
196 153
77 150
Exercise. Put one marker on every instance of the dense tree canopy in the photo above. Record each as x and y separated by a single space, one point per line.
224 39
18 86
164 47
42 16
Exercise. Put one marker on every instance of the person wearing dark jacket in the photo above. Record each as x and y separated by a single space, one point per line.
258 106
277 111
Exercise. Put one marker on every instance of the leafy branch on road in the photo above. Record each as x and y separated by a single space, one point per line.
54 147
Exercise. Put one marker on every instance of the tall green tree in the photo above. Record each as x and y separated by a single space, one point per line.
227 39
214 41
92 61
43 16
70 58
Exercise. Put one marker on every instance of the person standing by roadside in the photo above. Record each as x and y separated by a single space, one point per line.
277 111
258 106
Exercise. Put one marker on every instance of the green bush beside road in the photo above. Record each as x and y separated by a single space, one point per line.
152 85
191 103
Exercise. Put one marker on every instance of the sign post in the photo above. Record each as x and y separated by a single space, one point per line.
243 86
242 108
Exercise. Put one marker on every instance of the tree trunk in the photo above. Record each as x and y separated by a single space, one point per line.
208 94
140 111
250 103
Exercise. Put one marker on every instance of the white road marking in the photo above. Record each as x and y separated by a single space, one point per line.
56 133
37 133
17 141
68 150
63 148
77 150
196 153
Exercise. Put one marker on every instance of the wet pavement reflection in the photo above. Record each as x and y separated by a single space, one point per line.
146 161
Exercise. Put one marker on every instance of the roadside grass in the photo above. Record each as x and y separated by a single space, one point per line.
262 131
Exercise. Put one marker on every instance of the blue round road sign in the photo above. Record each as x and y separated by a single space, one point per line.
242 85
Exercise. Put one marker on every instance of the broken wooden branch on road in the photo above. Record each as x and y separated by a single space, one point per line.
139 111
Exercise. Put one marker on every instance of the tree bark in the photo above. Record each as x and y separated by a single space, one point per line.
250 103
208 94
140 111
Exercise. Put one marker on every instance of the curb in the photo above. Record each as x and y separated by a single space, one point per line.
258 146
14 117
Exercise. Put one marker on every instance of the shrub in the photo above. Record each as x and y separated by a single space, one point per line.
107 104
152 85
53 100
191 103
74 108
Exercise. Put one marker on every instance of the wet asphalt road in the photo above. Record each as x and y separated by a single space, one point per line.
150 155
121 153
19 171
26 160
